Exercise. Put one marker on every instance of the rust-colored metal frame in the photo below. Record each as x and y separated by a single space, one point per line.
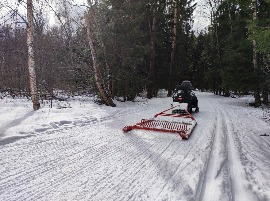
155 124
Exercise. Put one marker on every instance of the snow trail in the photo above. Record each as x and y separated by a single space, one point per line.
216 172
88 157
245 144
237 174
224 168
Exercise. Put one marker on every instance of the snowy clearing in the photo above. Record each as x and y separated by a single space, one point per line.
79 152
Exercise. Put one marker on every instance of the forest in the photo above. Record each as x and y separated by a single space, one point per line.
117 49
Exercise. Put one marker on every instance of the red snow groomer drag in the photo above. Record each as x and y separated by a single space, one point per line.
176 119
173 120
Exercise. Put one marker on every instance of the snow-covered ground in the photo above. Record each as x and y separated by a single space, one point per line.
77 151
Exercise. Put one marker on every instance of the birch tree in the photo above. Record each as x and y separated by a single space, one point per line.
174 45
255 56
98 79
31 59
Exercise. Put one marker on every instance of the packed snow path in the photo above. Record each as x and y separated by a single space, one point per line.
90 158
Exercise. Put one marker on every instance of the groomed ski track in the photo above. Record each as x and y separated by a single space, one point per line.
92 159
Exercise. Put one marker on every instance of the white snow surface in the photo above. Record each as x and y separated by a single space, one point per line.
76 150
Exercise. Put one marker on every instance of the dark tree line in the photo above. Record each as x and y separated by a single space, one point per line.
235 55
137 45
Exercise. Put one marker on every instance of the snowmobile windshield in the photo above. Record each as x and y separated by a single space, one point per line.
185 86
179 91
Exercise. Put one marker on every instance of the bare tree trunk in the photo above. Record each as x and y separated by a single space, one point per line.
109 81
255 57
67 19
230 16
31 60
266 61
105 97
254 17
174 44
265 95
152 60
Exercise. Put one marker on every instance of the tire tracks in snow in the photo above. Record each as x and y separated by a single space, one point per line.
54 146
239 176
216 183
224 175
54 127
128 174
178 180
55 166
190 160
162 163
28 178
69 143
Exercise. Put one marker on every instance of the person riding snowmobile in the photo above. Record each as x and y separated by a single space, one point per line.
184 94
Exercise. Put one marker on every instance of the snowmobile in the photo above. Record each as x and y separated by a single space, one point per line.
176 119
184 94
